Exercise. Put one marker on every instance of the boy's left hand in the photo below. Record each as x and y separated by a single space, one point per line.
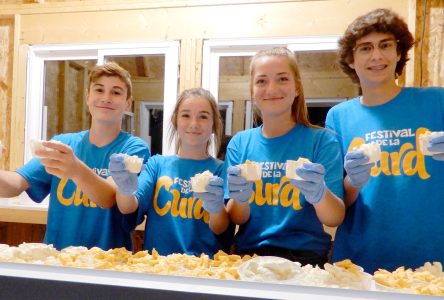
213 198
313 186
437 145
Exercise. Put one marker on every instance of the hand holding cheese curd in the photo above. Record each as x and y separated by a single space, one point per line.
432 143
277 215
73 169
182 195
385 197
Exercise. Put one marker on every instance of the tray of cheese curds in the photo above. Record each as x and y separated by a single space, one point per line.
425 280
221 266
343 274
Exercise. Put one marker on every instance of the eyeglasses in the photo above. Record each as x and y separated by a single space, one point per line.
366 49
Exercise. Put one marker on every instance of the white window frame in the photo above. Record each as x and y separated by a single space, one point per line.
35 118
229 115
213 50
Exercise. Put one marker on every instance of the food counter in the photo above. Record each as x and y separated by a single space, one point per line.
27 281
21 209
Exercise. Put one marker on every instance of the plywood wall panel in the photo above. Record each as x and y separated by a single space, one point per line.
242 20
6 61
429 50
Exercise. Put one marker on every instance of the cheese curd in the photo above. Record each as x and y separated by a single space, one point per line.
38 145
200 181
292 165
133 163
425 280
371 150
424 141
251 170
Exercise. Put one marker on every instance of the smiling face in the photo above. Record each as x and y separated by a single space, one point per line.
194 123
376 65
273 87
107 99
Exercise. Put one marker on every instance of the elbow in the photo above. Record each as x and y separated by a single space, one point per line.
218 229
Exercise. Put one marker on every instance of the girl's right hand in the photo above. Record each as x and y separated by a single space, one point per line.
213 198
126 181
239 187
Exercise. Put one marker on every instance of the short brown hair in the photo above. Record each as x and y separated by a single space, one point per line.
380 20
217 119
111 69
299 111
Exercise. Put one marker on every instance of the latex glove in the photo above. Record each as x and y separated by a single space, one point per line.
126 181
357 167
239 187
213 198
437 145
313 186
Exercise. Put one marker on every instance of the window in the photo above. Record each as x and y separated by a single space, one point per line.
57 83
226 74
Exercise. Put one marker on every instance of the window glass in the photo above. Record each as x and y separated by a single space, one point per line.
148 78
64 96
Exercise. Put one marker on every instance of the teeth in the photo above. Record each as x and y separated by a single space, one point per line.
377 67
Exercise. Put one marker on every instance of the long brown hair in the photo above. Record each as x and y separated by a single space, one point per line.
217 119
299 112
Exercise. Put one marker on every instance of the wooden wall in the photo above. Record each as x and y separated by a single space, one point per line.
429 50
190 22
6 59
29 22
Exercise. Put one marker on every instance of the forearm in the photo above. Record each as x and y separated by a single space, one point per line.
12 184
127 204
99 190
330 210
219 221
351 193
239 212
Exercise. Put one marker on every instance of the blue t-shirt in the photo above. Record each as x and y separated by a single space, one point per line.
280 216
176 221
398 217
73 219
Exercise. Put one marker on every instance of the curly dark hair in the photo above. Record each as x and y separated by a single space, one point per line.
380 20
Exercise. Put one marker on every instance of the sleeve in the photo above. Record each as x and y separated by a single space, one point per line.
38 179
136 146
329 155
231 159
329 120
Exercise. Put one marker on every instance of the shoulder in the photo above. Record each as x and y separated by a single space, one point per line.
343 106
321 134
70 138
244 135
425 92
132 140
